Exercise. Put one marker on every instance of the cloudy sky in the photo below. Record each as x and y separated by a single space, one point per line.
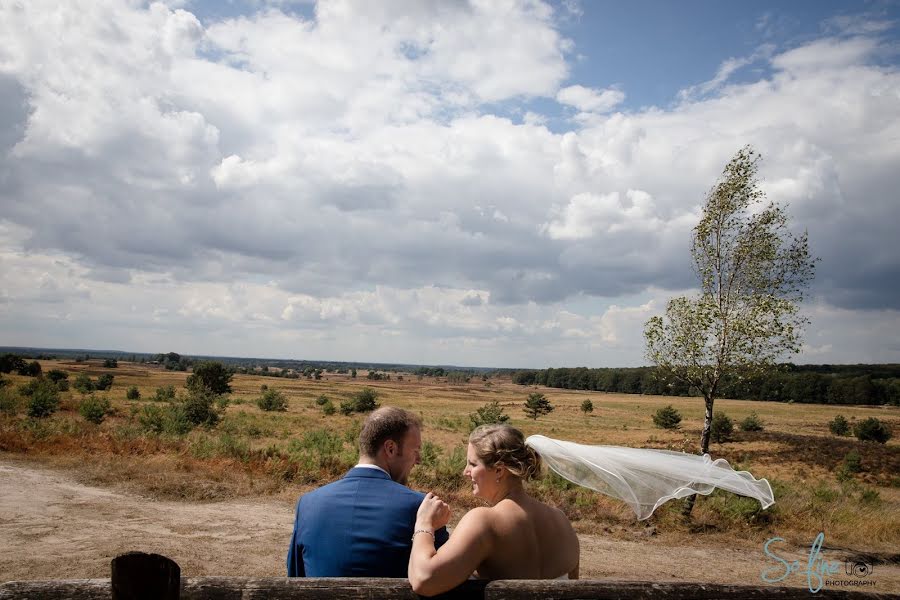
483 182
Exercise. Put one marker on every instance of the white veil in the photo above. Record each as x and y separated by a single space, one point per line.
646 478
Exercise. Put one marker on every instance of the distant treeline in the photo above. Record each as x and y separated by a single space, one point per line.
813 384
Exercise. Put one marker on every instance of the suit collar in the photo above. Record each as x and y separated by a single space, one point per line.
367 472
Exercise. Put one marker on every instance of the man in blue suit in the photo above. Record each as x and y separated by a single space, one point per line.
362 525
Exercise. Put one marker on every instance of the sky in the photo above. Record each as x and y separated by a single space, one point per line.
501 183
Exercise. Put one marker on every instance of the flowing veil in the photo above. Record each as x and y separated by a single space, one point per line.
645 479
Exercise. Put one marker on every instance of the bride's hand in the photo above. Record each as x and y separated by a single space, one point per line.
433 513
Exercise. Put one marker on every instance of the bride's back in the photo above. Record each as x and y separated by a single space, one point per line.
531 541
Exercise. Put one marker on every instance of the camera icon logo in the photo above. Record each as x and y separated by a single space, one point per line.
858 568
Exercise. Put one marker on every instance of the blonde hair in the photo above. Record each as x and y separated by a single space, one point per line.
505 445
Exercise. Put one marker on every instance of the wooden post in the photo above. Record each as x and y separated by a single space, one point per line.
140 576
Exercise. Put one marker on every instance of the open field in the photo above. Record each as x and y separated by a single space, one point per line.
219 500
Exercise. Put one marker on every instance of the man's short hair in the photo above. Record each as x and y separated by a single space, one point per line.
386 423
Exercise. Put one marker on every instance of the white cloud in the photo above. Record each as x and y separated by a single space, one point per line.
344 179
590 100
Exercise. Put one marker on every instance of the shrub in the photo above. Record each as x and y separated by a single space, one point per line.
169 419
28 388
104 382
721 428
213 376
57 375
752 423
198 407
44 399
853 461
164 394
328 407
587 407
133 393
83 383
839 426
9 401
872 430
110 363
272 399
94 409
32 369
365 400
321 400
429 454
488 414
667 418
536 405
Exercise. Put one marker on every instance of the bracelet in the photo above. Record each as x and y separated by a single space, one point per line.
418 531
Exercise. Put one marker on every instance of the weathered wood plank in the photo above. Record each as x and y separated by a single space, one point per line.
71 589
282 588
606 589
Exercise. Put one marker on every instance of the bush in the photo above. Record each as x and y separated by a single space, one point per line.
328 407
488 414
133 393
104 382
872 430
83 383
364 400
57 375
722 427
9 401
536 405
198 407
839 426
587 407
213 376
321 400
32 369
44 399
164 419
28 388
110 363
165 394
94 409
752 423
272 399
667 418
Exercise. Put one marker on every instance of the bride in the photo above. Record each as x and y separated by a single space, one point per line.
516 537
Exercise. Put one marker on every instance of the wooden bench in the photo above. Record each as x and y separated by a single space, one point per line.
138 576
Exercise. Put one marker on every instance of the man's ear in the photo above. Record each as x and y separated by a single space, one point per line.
390 447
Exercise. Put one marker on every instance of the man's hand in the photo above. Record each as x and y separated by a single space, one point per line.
433 513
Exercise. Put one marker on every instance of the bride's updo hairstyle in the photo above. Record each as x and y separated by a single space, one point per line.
505 445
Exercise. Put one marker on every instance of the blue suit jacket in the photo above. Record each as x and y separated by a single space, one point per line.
358 526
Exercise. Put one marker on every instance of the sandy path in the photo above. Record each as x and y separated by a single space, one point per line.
54 527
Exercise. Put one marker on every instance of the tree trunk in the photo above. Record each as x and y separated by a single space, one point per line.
704 449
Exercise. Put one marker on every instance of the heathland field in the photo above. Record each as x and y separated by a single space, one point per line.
848 489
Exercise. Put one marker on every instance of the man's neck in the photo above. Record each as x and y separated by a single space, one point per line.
370 462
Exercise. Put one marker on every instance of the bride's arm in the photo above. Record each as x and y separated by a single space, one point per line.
432 572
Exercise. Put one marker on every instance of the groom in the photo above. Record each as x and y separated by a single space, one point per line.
362 525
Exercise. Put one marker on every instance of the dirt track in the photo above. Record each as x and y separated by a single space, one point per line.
52 527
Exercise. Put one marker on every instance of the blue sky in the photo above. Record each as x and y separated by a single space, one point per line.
475 183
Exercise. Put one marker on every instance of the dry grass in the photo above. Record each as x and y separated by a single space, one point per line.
252 452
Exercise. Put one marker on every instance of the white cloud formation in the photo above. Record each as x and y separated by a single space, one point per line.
348 181
589 100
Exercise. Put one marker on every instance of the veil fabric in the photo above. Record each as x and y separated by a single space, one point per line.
644 478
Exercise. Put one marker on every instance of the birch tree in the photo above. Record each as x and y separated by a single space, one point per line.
752 273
